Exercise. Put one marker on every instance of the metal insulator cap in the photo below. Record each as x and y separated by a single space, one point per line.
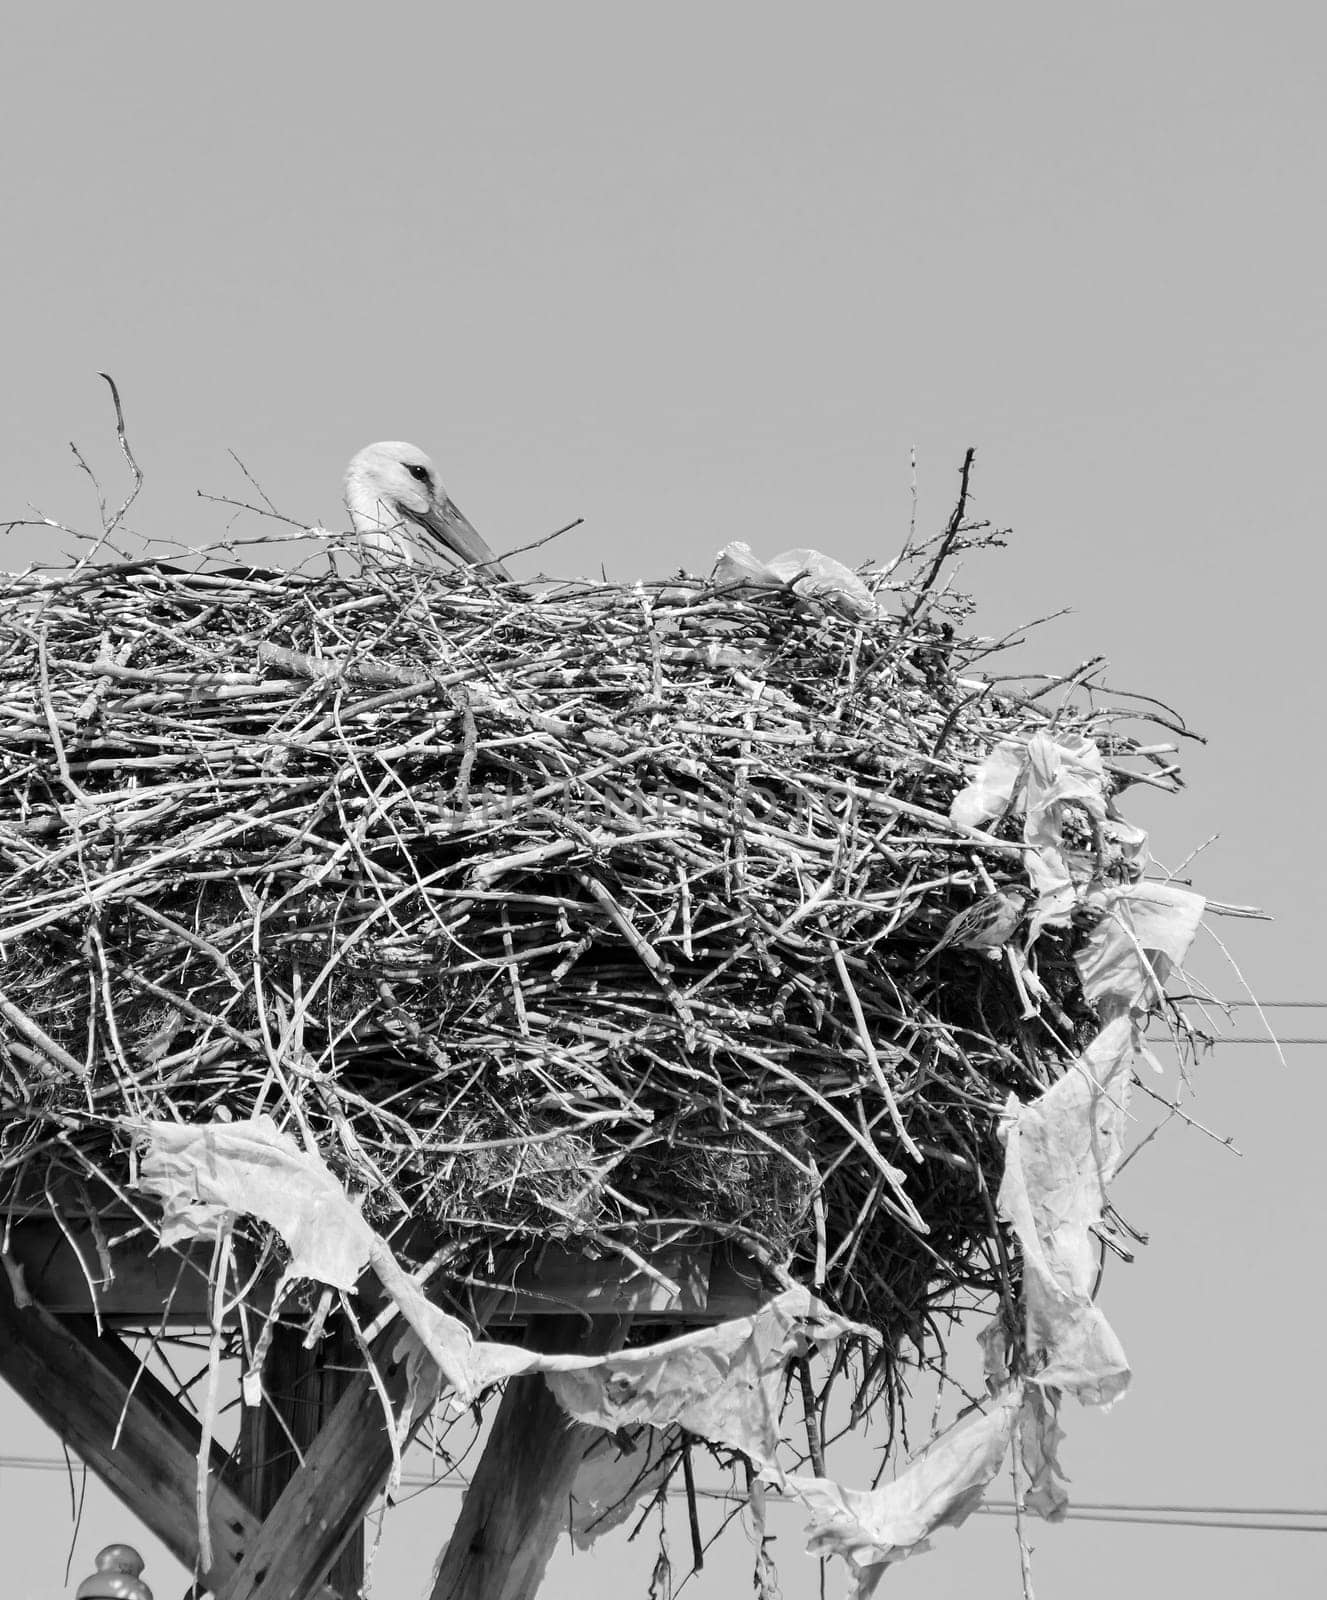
116 1577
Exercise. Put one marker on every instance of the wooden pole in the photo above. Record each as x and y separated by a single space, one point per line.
517 1502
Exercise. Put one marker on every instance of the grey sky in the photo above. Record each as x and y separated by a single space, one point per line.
708 272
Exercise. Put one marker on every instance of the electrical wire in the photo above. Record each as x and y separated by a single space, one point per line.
1270 1041
1261 1005
1251 1518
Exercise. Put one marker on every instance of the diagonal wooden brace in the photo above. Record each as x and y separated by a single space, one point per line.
324 1503
89 1389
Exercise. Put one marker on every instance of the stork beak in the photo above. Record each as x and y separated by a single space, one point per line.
454 532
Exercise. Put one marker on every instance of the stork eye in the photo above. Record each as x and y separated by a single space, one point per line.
418 472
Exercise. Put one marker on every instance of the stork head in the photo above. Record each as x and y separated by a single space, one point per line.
392 484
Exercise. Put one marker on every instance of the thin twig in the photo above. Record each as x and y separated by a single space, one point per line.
135 472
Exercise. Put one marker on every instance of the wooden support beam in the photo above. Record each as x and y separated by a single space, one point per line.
517 1502
324 1504
80 1385
147 1285
714 1282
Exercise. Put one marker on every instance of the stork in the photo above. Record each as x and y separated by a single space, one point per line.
393 494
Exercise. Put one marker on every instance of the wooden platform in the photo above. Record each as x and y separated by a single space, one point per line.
143 1443
64 1266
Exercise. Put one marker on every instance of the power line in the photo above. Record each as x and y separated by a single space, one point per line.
1270 1040
1253 1518
1267 1039
1258 1005
1263 1005
1205 1517
1211 1511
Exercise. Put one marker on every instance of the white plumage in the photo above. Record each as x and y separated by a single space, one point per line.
398 507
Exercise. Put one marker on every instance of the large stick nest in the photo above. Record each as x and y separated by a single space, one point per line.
612 914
